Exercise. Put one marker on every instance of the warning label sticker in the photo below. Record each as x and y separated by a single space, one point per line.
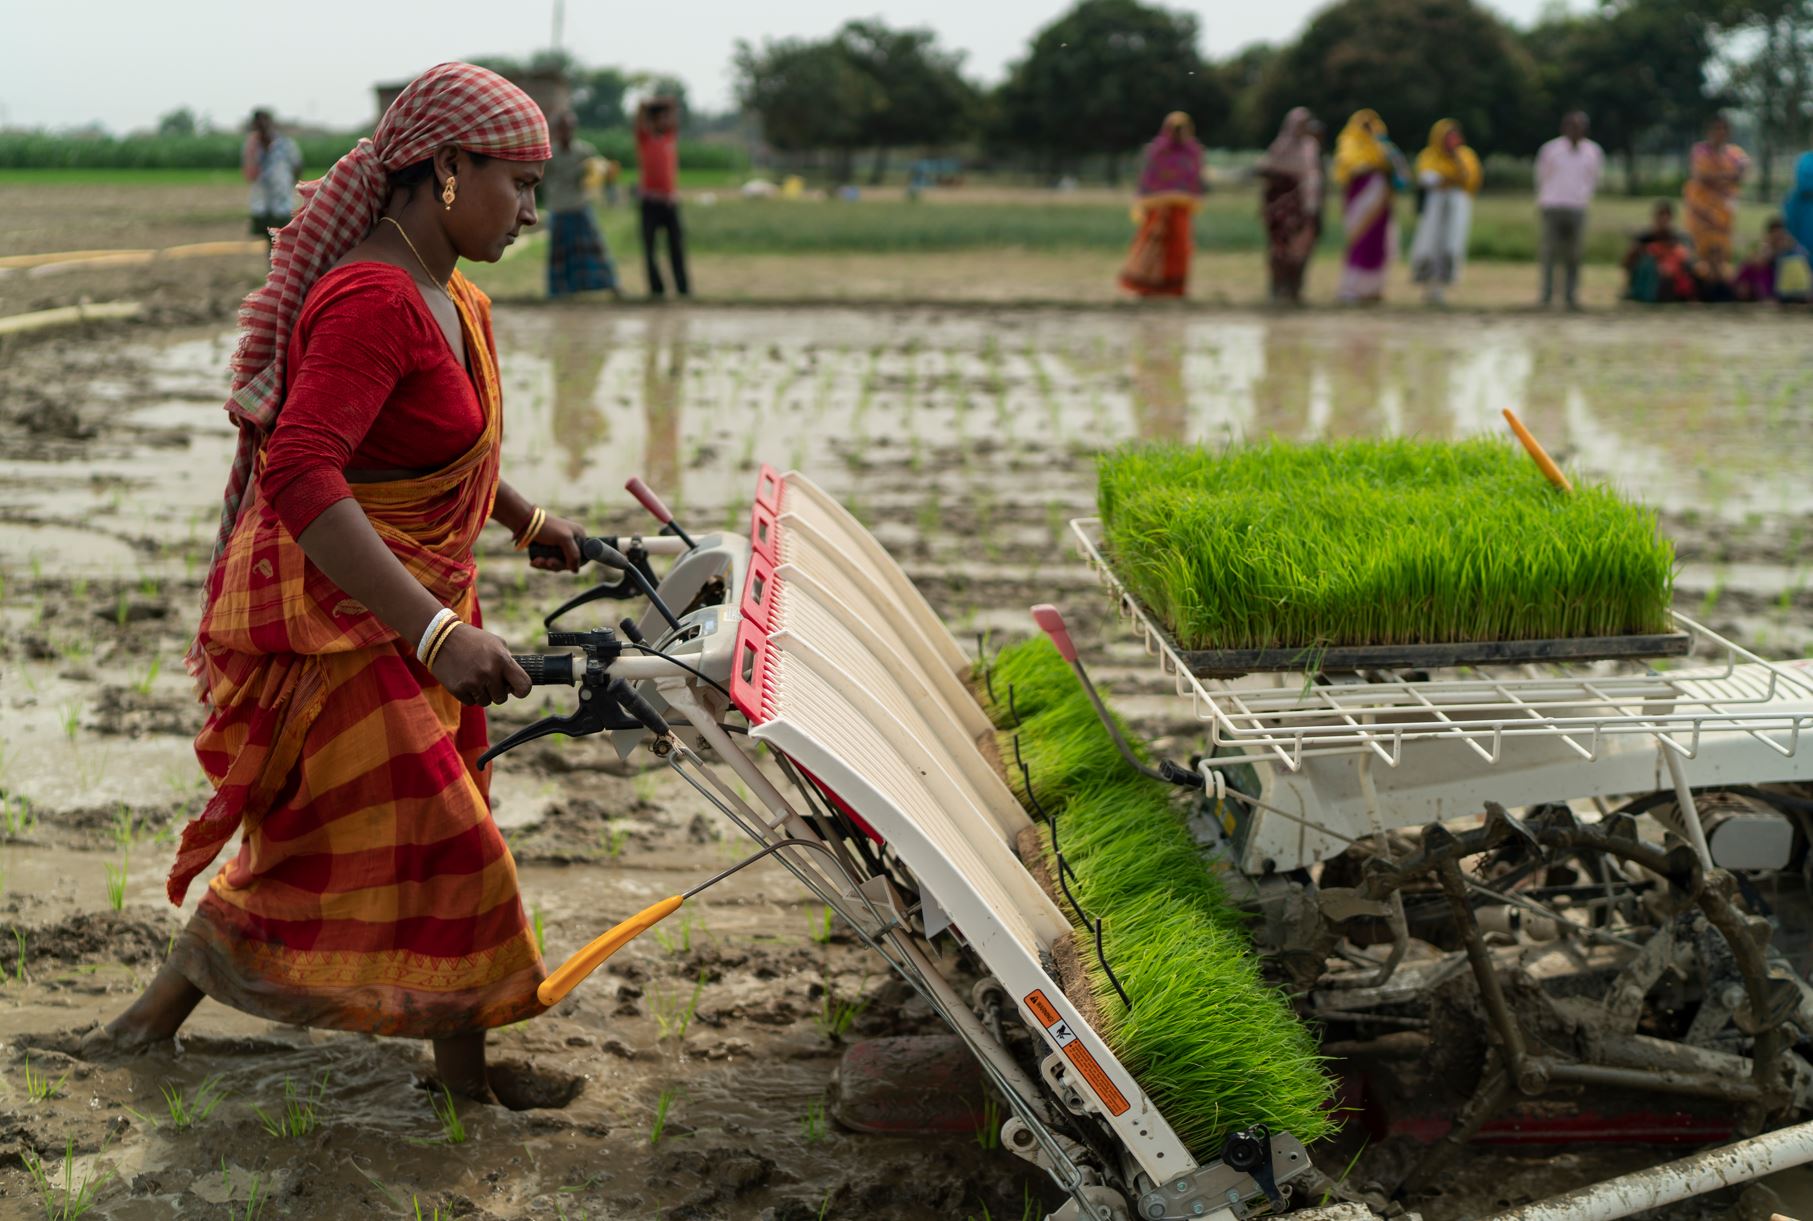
1086 1065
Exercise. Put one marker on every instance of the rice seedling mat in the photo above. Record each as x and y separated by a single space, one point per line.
1270 717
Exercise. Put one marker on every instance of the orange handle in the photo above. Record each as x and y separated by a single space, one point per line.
1543 461
566 977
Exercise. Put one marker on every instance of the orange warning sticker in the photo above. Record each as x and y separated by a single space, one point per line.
1085 1064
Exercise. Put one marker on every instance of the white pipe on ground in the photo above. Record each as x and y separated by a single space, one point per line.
1679 1180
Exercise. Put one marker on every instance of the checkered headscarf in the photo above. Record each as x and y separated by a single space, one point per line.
451 103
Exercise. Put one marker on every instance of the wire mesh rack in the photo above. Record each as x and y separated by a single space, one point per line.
1285 719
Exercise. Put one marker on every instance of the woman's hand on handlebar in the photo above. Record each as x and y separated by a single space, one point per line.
477 668
564 534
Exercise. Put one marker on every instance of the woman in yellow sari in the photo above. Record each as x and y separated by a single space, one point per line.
1448 173
1365 170
1711 197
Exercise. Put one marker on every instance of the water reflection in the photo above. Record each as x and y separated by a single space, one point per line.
1160 403
576 358
1655 405
663 377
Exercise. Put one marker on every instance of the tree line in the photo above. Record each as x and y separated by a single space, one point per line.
1095 82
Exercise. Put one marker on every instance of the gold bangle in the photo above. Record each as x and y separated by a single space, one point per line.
440 639
537 519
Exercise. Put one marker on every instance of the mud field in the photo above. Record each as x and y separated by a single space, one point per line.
692 1078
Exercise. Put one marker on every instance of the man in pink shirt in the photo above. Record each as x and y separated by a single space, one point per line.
1567 174
658 155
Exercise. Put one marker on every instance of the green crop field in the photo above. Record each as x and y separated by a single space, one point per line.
1360 542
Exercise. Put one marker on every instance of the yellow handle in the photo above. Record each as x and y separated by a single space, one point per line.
566 977
1543 461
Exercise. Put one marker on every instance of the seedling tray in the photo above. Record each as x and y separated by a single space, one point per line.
1232 663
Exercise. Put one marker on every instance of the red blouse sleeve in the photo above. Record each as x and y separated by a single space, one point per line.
358 340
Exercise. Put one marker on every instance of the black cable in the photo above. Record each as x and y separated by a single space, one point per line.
653 651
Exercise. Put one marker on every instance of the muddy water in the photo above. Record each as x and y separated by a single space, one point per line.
964 439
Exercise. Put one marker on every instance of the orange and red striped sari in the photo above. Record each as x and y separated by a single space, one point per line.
371 891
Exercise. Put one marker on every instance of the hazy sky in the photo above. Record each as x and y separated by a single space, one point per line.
124 62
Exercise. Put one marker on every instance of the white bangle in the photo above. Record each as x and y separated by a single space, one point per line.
441 616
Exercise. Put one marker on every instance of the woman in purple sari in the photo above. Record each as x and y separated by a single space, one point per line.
1366 169
1170 183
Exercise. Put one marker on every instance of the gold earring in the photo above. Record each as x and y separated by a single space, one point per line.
447 195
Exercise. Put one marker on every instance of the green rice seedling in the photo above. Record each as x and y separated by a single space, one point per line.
436 1212
124 828
1214 1045
71 720
300 1114
181 1111
1394 541
836 1013
663 1104
988 1131
116 885
672 1015
611 842
541 938
1059 747
142 684
1031 671
822 924
812 1126
17 819
72 1199
41 1087
675 936
453 1128
256 1199
644 787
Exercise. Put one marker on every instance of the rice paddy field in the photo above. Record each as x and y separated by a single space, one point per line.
693 1077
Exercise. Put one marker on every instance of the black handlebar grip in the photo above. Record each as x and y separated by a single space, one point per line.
543 551
547 669
638 707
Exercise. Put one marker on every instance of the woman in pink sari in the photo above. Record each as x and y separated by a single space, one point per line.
1170 186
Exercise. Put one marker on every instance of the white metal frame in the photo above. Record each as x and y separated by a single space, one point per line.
1285 720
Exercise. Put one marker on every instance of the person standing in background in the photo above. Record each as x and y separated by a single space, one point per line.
1291 202
1449 174
658 159
1718 168
1797 208
578 259
1170 186
272 163
1567 174
1367 169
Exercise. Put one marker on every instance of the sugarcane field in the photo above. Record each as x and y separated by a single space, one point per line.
777 620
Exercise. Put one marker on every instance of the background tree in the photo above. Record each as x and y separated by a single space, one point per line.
1768 70
1243 79
808 94
1638 69
1100 79
179 122
1413 61
919 95
598 95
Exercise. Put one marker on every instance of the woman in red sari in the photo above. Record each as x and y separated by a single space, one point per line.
1170 189
340 653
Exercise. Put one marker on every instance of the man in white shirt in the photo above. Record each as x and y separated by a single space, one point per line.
1567 173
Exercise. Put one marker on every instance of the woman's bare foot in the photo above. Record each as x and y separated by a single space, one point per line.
155 1016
